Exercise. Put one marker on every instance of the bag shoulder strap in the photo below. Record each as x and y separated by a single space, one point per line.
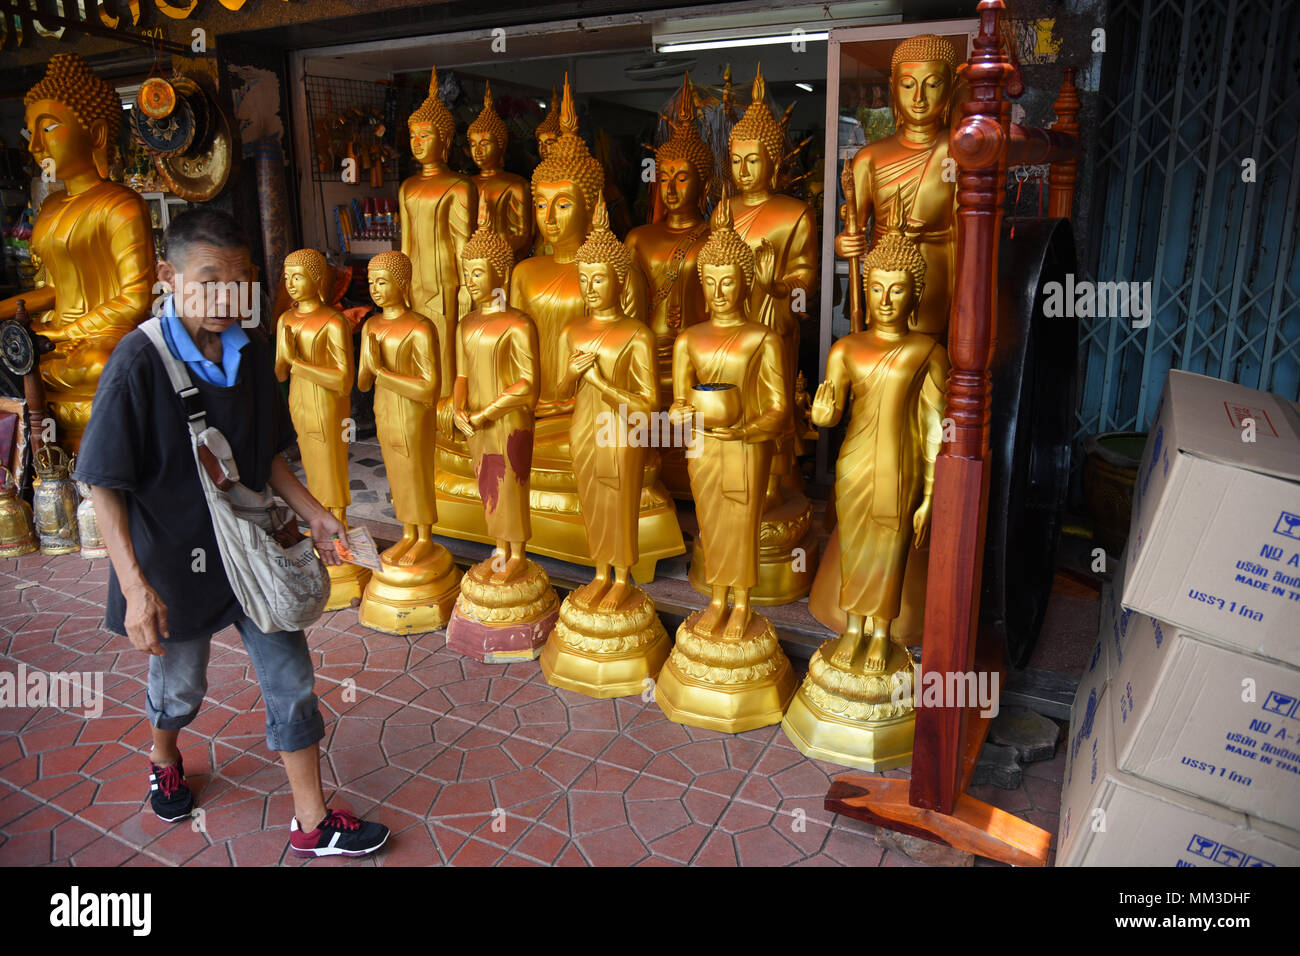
182 385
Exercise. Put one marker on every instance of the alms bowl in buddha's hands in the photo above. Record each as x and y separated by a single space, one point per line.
717 404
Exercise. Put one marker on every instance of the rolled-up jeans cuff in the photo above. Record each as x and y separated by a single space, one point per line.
162 722
286 738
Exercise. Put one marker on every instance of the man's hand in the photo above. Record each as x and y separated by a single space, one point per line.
146 619
324 527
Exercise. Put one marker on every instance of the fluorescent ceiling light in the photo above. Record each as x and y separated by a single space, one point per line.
685 42
806 87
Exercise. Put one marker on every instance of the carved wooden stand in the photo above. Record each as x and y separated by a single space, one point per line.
948 739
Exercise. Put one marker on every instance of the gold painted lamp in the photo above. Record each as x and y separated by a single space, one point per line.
856 705
779 298
93 240
507 607
417 582
609 640
313 352
727 671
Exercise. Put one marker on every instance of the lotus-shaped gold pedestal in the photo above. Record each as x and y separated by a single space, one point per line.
499 622
606 653
410 598
856 720
729 686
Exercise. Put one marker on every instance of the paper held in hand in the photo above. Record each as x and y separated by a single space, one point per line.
359 549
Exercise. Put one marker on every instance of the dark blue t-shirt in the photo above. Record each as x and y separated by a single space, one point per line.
137 442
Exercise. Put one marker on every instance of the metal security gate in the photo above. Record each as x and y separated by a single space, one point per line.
1198 174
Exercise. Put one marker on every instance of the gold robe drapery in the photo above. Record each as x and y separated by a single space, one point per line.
496 351
320 397
729 477
889 450
407 426
608 467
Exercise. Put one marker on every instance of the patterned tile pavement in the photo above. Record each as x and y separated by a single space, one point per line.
468 764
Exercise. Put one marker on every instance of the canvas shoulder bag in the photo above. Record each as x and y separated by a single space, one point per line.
278 579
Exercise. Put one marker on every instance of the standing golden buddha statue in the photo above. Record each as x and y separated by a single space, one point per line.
855 706
727 671
313 351
508 199
417 582
609 638
566 190
779 299
905 171
93 240
437 207
507 607
666 252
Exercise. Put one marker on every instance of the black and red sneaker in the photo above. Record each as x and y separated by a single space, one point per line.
169 794
339 834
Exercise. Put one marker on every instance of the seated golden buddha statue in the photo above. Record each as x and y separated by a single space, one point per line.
608 639
437 207
666 252
414 588
313 351
727 670
508 199
93 240
853 707
566 189
780 298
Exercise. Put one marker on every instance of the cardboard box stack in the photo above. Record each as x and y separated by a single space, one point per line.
1184 745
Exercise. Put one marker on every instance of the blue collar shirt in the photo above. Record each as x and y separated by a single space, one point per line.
182 346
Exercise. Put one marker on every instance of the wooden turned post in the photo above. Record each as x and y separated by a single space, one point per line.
1065 173
962 471
33 388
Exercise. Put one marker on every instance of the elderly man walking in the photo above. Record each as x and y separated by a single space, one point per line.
167 589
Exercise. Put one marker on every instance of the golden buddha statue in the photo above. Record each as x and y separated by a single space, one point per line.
93 240
416 585
727 670
779 299
507 607
548 130
437 208
566 188
855 706
313 351
608 639
507 195
666 254
908 167
906 170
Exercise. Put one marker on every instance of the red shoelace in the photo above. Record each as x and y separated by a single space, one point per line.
341 819
169 779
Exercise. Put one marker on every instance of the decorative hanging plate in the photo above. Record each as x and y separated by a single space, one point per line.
197 99
156 98
172 134
200 176
16 348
